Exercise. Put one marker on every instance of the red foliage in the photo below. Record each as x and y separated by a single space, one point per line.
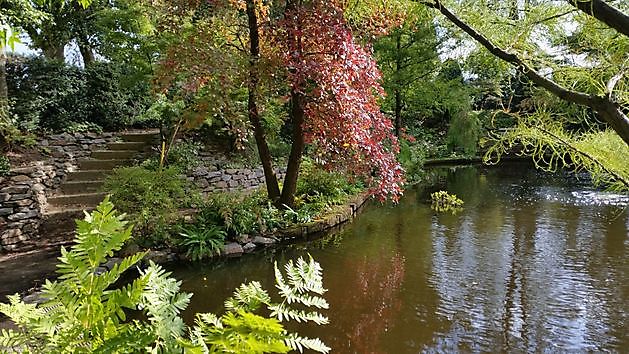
341 82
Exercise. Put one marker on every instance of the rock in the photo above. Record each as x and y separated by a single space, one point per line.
100 270
202 183
34 298
249 247
221 184
231 171
243 238
264 241
109 265
200 171
11 234
15 189
22 216
232 249
20 196
4 197
38 188
159 256
6 211
23 202
20 178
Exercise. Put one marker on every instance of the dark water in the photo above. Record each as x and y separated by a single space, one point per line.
533 263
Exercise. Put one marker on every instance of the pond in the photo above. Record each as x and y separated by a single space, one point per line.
534 262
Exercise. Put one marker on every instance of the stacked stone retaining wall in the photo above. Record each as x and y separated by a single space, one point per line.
24 191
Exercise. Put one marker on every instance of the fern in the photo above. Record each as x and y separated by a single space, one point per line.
240 330
84 312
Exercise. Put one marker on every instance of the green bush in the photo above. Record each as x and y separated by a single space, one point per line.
51 95
5 165
318 189
85 310
464 133
202 240
151 198
412 157
241 213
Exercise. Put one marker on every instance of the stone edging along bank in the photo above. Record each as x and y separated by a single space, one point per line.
339 214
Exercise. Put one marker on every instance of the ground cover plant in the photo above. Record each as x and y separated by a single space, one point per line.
87 310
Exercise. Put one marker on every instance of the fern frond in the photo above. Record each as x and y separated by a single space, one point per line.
296 342
283 312
248 297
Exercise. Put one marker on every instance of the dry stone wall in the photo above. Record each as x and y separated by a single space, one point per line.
24 191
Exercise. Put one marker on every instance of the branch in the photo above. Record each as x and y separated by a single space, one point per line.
608 109
605 13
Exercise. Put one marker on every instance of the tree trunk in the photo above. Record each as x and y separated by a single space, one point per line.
398 94
54 52
87 53
4 91
607 109
297 148
272 186
297 116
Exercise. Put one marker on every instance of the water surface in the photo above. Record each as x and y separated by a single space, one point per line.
533 263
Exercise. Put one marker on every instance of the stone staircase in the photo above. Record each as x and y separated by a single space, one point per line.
81 190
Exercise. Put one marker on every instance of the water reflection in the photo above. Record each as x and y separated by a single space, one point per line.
527 266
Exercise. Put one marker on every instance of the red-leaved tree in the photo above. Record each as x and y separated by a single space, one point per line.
335 84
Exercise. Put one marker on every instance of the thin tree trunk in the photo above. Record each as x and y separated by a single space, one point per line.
54 52
87 53
297 116
297 148
4 91
272 186
398 94
607 109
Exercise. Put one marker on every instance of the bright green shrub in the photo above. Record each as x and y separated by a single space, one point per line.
202 240
5 165
443 201
464 133
242 213
151 198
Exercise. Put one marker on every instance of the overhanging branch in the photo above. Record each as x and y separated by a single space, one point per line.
607 109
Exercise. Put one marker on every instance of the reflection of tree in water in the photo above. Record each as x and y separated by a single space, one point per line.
373 293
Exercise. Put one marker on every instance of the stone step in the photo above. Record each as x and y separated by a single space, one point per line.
87 199
94 164
78 187
143 137
113 154
87 175
59 221
127 145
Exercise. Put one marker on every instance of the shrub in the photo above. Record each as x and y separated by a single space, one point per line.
151 198
202 240
52 95
443 201
241 213
5 165
412 157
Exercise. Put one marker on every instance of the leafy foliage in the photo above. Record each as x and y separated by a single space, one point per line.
149 197
202 240
443 201
602 154
5 165
84 311
51 95
240 330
